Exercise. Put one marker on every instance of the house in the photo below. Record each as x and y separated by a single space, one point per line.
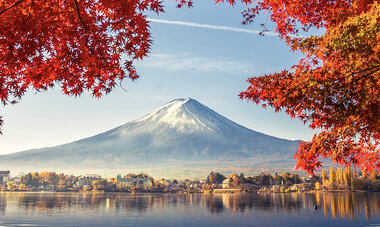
143 183
226 183
4 176
303 187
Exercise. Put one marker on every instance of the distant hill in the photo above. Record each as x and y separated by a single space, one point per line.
182 138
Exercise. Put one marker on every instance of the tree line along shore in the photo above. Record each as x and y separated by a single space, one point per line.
335 179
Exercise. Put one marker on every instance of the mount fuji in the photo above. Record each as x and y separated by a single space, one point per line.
182 138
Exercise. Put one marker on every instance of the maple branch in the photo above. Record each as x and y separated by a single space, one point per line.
371 71
1 124
10 7
58 10
80 18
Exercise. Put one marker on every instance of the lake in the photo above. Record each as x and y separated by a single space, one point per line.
252 209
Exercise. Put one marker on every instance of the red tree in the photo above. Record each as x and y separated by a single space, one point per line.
77 45
336 86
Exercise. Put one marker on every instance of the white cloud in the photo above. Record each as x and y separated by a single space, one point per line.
185 61
209 26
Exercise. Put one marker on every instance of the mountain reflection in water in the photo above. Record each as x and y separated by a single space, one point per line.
344 206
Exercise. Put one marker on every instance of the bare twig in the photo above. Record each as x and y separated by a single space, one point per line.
1 124
10 7
121 86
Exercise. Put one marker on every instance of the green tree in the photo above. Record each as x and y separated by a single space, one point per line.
263 179
99 184
31 179
215 178
277 179
290 179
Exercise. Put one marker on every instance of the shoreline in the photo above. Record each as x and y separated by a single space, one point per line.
201 192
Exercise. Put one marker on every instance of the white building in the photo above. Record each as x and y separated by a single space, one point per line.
226 183
4 176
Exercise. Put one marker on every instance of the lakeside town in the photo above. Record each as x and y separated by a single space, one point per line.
332 180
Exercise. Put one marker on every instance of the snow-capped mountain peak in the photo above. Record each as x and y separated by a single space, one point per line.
185 116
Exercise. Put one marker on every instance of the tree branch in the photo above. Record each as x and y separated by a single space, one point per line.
80 18
10 7
1 124
58 10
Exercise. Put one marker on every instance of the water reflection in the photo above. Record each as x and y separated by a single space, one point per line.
3 205
335 205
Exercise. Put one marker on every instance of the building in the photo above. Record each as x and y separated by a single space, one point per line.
143 183
302 186
87 179
4 176
226 183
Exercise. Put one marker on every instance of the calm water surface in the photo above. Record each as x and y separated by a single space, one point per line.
122 209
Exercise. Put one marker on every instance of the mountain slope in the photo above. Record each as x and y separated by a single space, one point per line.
182 132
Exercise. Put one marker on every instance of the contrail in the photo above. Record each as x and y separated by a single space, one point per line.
209 26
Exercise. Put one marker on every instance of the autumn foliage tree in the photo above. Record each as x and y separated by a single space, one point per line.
339 177
76 45
347 177
324 177
335 87
332 177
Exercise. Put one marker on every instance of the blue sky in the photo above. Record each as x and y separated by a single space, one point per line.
203 53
